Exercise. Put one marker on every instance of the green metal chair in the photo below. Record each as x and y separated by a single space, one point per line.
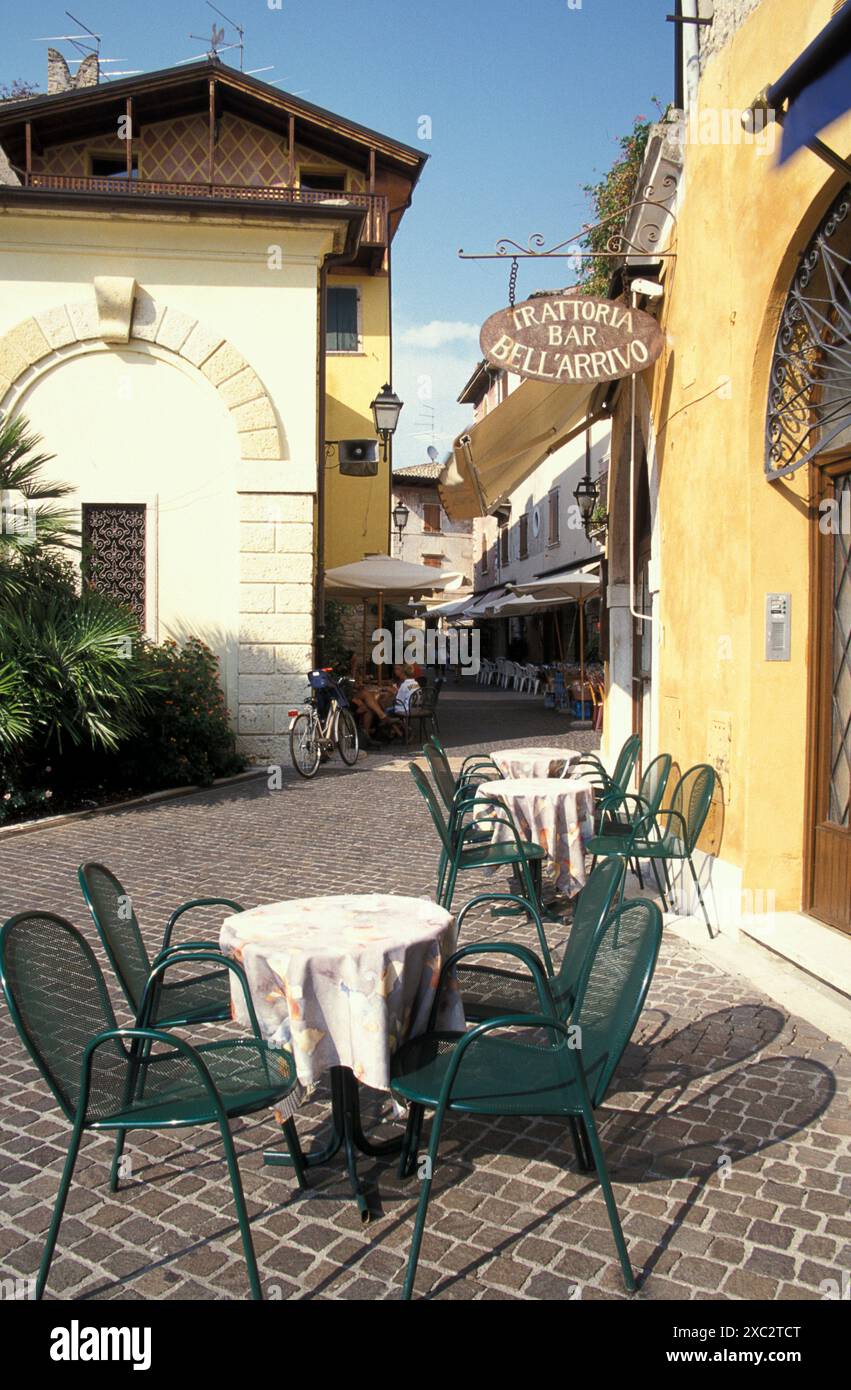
562 1071
621 811
201 999
474 769
670 835
614 784
488 991
459 855
107 1079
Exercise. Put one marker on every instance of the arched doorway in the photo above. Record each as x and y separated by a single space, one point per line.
809 425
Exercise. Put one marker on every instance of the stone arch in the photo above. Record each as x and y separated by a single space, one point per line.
118 312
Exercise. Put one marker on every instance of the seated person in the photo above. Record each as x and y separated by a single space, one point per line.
407 683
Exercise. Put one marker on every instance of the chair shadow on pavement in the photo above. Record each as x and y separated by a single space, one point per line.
699 1138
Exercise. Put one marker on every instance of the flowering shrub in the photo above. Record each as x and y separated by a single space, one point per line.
184 737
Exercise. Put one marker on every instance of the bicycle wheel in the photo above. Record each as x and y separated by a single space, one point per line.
346 736
304 745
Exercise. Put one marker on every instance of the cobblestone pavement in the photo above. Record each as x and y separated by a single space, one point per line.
726 1130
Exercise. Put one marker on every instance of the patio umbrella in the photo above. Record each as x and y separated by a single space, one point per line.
572 585
386 578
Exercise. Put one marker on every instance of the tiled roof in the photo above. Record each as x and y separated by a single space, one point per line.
419 470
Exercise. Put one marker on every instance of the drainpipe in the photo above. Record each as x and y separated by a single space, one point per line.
642 617
691 52
344 257
402 208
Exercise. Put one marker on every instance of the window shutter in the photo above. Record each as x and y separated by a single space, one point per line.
342 326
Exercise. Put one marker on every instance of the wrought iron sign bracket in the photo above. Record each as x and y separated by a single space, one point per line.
618 245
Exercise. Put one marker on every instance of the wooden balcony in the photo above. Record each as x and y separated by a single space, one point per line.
376 204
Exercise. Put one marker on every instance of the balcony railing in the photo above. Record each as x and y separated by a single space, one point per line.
375 229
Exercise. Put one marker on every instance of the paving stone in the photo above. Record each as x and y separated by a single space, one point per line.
714 1069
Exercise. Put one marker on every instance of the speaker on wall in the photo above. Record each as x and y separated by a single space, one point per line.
359 457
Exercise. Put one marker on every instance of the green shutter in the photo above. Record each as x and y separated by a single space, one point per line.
342 327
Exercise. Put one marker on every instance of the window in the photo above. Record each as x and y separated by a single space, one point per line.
114 552
554 520
316 180
431 517
523 549
342 330
503 546
433 561
112 166
485 554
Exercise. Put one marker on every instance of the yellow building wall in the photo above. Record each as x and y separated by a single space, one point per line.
357 516
207 416
727 536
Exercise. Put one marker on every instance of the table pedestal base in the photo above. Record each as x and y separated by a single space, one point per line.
346 1134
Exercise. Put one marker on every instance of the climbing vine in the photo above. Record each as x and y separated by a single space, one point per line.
612 195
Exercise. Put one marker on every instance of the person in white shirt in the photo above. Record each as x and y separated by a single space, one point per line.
405 689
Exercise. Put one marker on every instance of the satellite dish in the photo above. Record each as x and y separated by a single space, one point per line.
433 453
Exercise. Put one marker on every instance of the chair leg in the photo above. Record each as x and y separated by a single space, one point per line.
117 1152
411 1141
580 1144
295 1151
449 894
669 885
241 1211
609 1199
441 873
422 1209
700 899
58 1209
637 863
662 894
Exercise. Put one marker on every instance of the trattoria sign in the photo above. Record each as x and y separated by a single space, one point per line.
571 338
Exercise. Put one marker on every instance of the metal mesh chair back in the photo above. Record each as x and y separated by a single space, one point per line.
627 758
441 773
613 987
57 998
432 803
112 912
654 781
692 799
592 906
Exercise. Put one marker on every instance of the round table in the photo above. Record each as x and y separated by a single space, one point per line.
554 812
534 762
343 981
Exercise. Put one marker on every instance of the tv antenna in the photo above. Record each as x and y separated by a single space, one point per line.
86 44
426 422
217 40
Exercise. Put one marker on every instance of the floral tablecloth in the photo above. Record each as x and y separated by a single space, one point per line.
343 980
534 762
557 813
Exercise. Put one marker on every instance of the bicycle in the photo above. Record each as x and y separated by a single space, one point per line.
326 724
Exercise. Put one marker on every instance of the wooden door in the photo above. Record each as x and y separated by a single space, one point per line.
830 705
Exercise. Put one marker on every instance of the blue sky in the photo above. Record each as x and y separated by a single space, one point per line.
526 98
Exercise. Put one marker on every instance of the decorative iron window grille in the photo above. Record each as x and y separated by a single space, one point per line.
114 552
809 399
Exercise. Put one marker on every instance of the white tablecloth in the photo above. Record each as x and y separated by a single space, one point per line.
556 813
534 762
343 980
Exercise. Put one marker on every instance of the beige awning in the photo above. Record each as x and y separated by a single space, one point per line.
396 580
502 449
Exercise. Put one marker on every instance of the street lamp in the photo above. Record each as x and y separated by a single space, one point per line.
586 494
385 413
400 521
